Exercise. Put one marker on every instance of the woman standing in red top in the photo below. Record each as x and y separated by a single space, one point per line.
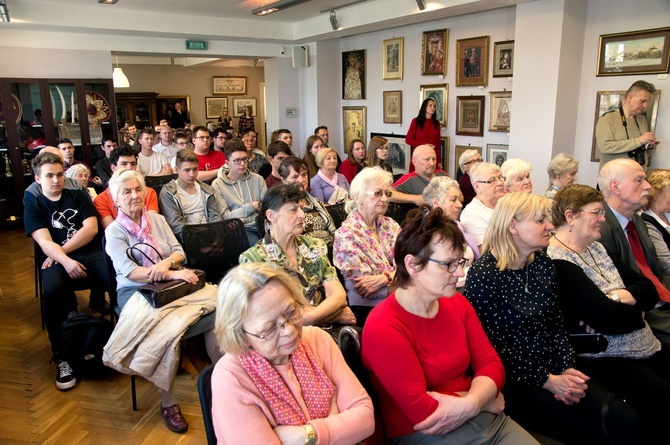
425 129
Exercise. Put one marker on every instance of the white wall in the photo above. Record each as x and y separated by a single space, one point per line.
55 63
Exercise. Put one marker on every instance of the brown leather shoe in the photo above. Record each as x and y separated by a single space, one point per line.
173 419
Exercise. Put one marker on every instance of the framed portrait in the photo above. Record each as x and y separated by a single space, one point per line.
240 103
497 153
392 51
470 115
229 85
444 151
460 149
500 110
399 152
634 53
609 101
503 58
353 75
434 52
472 62
165 106
392 107
214 106
354 122
440 94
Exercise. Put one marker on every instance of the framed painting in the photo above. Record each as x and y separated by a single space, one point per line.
609 101
434 52
392 107
440 94
392 51
354 122
165 106
472 62
399 152
497 153
503 58
460 149
229 85
500 110
241 103
470 115
634 53
444 151
214 106
353 75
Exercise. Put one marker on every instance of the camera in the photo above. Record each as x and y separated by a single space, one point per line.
638 153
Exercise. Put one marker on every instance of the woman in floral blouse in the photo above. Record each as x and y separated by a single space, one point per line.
281 218
363 247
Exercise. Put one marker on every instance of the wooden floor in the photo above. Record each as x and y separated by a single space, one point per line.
97 411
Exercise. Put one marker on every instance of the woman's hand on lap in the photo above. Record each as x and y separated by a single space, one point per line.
451 413
291 435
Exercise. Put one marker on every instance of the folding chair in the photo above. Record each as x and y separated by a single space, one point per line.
205 393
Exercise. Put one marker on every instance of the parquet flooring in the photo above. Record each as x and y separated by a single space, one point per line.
96 411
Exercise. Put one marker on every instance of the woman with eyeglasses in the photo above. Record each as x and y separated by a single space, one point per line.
257 159
281 222
467 160
437 376
513 290
602 298
280 382
487 180
378 152
363 246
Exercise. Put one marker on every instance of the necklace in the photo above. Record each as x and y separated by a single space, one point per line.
597 268
520 280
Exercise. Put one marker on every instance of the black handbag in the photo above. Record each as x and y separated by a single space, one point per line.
160 293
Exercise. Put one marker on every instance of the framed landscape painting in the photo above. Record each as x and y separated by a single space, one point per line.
229 85
634 53
393 54
240 103
214 106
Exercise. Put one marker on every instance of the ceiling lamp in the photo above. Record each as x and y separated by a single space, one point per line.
4 12
274 7
118 76
421 4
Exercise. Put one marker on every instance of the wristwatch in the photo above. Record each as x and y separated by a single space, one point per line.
310 439
614 297
172 262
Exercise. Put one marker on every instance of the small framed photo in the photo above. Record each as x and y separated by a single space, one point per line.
353 75
497 153
460 149
354 123
241 103
434 52
503 58
634 53
392 52
440 94
444 151
399 152
214 106
470 115
610 101
229 85
472 62
500 110
392 107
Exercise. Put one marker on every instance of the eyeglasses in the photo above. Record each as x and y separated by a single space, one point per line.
596 213
492 180
473 161
292 317
203 138
240 161
379 193
452 266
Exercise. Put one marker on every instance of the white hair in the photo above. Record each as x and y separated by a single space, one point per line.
465 157
369 175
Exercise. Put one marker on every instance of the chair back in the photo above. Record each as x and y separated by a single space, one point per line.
205 393
113 303
157 182
215 247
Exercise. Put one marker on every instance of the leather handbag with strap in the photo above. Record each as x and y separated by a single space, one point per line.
160 293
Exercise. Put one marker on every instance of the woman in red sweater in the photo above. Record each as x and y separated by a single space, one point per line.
355 161
437 376
425 129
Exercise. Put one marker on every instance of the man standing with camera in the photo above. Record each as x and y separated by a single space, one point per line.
624 132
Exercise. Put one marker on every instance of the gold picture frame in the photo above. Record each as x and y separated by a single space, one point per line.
434 52
392 107
500 110
634 53
354 124
440 94
393 53
225 85
472 62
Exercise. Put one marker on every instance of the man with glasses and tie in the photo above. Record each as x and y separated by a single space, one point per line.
468 159
487 180
209 161
240 189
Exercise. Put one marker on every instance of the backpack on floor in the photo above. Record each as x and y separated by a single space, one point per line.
83 337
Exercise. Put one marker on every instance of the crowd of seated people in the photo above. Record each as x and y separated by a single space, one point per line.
516 312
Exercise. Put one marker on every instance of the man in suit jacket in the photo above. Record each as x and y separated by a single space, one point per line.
623 183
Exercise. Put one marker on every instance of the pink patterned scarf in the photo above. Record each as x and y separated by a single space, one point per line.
143 234
317 388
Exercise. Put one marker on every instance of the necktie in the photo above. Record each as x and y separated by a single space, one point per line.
638 252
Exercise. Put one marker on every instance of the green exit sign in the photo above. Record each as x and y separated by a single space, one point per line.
196 44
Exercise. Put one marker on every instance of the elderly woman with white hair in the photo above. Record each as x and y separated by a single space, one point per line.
468 159
516 172
562 172
363 246
487 181
81 173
